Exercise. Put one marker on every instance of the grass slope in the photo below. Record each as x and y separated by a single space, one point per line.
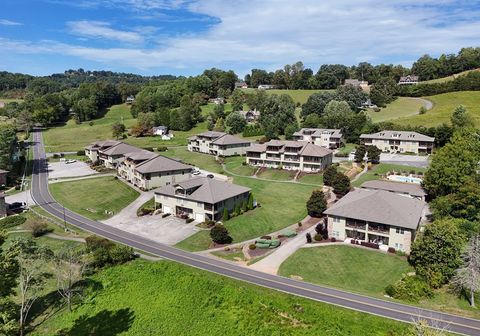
448 78
298 96
443 106
346 267
282 204
164 298
400 107
383 168
96 194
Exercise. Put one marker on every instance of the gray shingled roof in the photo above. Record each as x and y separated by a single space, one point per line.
139 156
398 135
121 149
314 150
161 164
208 190
398 187
211 134
228 139
379 206
317 132
103 143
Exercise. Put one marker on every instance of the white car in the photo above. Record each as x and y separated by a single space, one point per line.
196 172
71 161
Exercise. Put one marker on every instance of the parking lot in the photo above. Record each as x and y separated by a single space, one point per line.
61 170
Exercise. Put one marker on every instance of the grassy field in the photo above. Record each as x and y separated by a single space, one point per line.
73 137
312 179
443 106
448 78
282 204
91 197
277 174
10 100
383 168
400 107
142 298
364 271
203 161
298 96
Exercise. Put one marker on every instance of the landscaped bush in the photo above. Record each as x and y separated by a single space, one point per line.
219 234
166 215
81 153
409 288
370 245
38 228
56 156
309 237
91 123
162 149
95 243
266 237
105 252
252 246
318 237
333 240
121 254
150 149
12 221
189 220
391 250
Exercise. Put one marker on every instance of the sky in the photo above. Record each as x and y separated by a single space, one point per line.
184 37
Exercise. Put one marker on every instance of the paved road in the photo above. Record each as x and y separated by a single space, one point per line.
357 302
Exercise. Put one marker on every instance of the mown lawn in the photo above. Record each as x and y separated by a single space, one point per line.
282 204
443 106
203 161
400 107
346 267
72 137
383 168
235 165
92 197
164 298
277 174
312 179
298 96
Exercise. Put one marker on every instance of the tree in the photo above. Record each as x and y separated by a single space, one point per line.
219 234
8 282
277 112
308 236
117 130
317 204
238 99
383 91
341 185
225 215
338 114
24 122
453 164
69 266
316 103
436 253
219 111
219 125
373 154
250 204
31 276
236 122
360 153
461 118
289 130
311 121
329 175
468 276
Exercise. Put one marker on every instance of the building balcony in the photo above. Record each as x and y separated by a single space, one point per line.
379 229
356 226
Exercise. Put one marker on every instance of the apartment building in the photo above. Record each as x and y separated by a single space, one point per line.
200 198
289 155
399 142
91 151
328 138
218 144
376 216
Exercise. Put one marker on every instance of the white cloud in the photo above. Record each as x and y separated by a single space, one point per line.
99 29
271 33
5 22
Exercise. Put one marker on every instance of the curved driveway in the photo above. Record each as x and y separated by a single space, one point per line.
396 311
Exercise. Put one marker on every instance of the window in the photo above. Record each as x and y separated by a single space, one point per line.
336 234
400 231
336 219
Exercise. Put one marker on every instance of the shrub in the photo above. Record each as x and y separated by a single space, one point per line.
309 237
166 215
409 288
333 240
150 149
266 237
91 123
12 221
55 156
318 237
370 245
38 228
81 153
189 220
162 149
252 246
391 250
219 234
120 254
95 243
299 224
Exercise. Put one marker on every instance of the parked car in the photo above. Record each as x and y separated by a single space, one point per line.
71 161
196 172
210 176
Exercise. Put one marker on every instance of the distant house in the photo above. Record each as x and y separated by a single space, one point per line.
147 170
328 138
217 101
218 144
357 83
408 80
376 216
241 85
250 116
289 155
406 189
201 198
130 99
399 142
163 132
266 87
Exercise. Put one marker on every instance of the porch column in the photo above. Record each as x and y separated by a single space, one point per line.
366 231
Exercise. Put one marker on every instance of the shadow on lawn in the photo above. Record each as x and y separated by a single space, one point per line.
104 323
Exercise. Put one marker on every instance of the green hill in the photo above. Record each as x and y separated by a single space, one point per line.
164 298
298 96
400 107
448 78
443 106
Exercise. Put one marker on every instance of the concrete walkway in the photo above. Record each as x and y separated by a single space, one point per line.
271 263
